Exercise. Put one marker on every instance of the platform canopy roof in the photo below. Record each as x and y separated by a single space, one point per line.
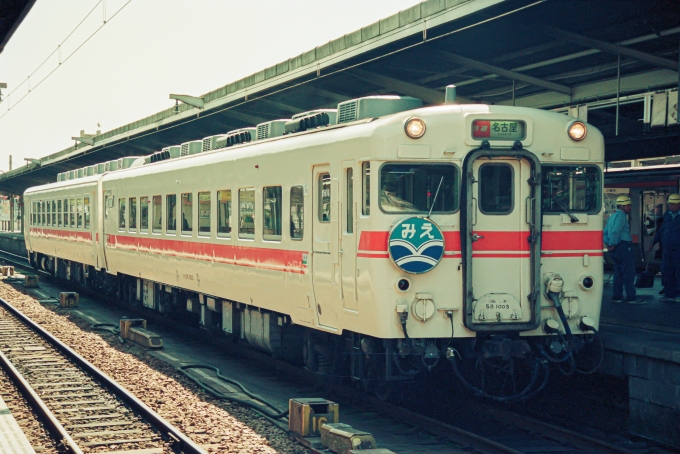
548 54
12 13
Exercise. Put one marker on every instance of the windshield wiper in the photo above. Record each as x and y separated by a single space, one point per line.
569 213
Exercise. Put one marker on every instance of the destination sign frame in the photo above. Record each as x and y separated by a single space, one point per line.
510 130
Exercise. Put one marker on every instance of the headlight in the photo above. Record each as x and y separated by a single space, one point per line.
586 282
577 131
415 128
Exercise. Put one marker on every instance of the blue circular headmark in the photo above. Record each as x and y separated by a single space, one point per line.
416 245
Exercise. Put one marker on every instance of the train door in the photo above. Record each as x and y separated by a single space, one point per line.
348 239
325 245
503 243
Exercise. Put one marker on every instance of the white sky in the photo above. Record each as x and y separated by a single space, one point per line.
150 49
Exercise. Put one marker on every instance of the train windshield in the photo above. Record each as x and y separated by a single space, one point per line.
571 189
418 188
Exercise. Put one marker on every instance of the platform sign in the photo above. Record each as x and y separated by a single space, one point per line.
416 245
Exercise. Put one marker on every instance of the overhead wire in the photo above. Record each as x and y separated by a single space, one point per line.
26 81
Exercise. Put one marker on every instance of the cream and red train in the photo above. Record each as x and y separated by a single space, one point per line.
369 242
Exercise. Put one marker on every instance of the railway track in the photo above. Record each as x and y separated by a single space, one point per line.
81 406
499 431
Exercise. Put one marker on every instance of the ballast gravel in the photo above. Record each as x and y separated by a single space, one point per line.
218 426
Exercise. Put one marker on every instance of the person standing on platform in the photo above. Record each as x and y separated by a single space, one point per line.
618 239
669 234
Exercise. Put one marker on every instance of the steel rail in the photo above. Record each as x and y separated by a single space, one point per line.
189 446
38 404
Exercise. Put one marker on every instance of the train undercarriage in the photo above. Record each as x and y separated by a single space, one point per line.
503 367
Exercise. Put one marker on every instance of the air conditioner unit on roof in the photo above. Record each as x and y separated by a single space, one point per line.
193 147
375 106
209 143
101 168
90 170
111 165
62 176
274 128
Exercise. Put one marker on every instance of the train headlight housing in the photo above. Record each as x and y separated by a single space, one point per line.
577 131
415 128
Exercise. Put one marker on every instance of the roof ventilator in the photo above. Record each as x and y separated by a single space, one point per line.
311 120
238 136
274 128
375 106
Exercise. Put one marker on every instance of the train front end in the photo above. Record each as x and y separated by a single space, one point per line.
495 245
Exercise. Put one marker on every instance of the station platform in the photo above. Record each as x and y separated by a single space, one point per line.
12 438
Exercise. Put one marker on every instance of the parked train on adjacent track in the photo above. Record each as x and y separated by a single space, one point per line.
372 242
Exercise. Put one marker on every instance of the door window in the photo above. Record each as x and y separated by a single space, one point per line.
350 201
121 213
297 213
133 214
496 193
187 213
325 197
86 208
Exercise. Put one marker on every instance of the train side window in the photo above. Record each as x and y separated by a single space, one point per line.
297 212
133 214
271 213
144 214
86 212
43 213
121 213
204 213
32 213
324 197
79 213
49 213
171 218
72 215
496 189
349 228
66 212
59 213
246 213
224 212
187 212
366 206
54 212
157 214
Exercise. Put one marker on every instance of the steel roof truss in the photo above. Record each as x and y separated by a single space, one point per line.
610 48
453 58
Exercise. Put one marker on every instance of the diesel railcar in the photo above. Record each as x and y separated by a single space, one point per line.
376 241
